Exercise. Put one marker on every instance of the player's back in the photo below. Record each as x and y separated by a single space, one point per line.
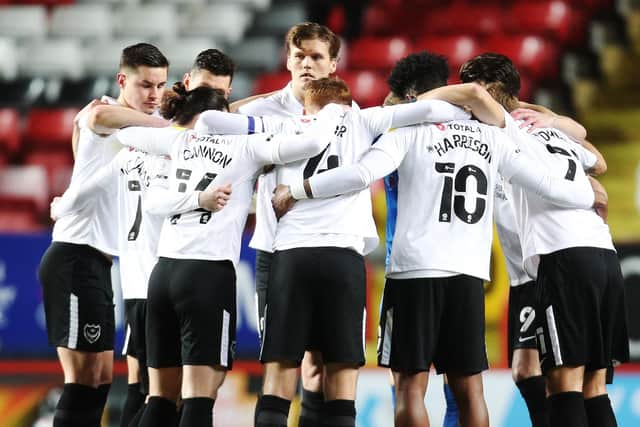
445 199
197 159
547 228
348 214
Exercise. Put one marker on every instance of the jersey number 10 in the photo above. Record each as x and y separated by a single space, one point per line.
459 180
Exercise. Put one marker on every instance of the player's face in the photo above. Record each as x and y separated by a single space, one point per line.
310 61
142 88
206 78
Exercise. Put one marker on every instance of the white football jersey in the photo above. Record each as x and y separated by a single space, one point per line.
281 103
345 220
138 231
96 224
508 233
546 228
446 181
196 160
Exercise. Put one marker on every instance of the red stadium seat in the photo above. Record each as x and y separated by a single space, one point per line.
45 2
56 163
26 181
49 128
554 19
18 214
457 49
462 18
378 53
367 88
266 83
533 55
9 130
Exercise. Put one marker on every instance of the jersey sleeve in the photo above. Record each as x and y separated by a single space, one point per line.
150 140
520 169
587 158
159 199
381 159
287 147
77 196
380 119
223 123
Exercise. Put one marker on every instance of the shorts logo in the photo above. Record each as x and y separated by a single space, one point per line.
91 333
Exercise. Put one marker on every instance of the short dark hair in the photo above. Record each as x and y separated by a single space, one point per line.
143 54
214 61
417 73
182 106
312 31
492 68
327 90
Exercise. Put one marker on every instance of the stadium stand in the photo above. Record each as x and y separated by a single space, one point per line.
59 54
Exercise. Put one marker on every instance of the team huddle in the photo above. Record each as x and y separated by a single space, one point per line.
164 180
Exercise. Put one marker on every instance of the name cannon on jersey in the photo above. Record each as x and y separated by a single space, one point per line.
468 142
203 150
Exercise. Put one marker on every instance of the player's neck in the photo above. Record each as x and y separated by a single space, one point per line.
298 92
121 101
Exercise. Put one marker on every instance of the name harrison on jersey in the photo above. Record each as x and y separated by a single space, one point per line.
210 153
463 141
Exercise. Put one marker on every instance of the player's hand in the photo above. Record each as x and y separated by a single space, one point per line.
532 119
215 198
282 200
601 202
52 208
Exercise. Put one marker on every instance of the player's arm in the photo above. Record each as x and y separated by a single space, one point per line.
592 167
520 169
78 119
472 96
537 116
235 105
149 140
77 196
161 201
105 119
223 123
379 161
75 134
381 119
286 148
601 204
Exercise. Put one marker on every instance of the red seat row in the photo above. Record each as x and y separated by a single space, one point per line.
534 56
47 129
560 20
42 138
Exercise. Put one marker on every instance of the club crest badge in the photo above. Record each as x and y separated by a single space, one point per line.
91 333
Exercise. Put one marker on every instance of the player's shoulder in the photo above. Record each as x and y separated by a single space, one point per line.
272 104
408 132
551 134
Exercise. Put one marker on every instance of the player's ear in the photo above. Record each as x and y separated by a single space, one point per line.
333 65
121 78
186 79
